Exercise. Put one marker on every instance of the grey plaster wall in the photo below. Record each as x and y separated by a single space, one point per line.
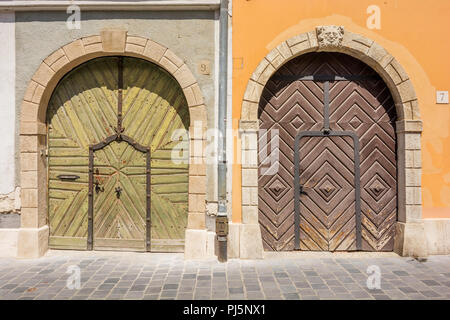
187 33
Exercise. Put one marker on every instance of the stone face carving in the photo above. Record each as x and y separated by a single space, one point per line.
329 36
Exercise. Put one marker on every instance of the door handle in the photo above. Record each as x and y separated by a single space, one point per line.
98 186
301 190
118 191
97 183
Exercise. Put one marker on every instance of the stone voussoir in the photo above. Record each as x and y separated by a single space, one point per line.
260 69
399 69
297 39
184 76
134 48
54 57
30 91
275 58
284 50
266 74
379 54
43 74
168 65
154 51
92 44
136 40
74 50
37 95
193 95
172 57
253 91
406 91
356 43
301 47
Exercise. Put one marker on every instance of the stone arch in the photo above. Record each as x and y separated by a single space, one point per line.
33 235
410 237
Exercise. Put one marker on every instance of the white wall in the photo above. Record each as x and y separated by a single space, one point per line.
7 102
8 243
437 232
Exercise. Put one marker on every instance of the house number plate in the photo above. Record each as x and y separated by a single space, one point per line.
442 97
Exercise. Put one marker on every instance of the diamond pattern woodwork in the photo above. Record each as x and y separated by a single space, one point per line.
326 170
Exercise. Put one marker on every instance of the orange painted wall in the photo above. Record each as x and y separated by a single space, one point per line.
415 32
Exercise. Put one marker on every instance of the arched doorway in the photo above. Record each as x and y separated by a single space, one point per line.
112 183
335 187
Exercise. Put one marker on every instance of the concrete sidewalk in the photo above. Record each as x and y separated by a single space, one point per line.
119 275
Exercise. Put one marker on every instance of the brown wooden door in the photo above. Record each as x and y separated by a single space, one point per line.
327 203
358 102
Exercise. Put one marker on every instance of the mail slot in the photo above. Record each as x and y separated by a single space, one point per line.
222 226
69 177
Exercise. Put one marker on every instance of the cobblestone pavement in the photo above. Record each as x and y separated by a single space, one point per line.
113 275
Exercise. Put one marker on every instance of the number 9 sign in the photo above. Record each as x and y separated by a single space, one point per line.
204 67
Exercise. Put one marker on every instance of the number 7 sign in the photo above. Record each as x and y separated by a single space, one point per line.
442 97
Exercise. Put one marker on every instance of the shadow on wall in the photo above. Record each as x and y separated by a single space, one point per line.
110 16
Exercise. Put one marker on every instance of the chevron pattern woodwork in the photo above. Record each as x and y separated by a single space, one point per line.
327 164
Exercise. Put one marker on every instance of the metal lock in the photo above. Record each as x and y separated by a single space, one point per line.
222 226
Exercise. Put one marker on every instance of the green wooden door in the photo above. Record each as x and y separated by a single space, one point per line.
119 198
82 112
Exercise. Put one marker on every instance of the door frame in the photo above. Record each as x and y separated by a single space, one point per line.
410 237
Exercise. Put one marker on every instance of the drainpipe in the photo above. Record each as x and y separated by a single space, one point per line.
222 217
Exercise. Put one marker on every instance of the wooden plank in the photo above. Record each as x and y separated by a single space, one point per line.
74 243
114 243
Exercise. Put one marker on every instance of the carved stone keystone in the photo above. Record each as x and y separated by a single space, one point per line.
329 36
